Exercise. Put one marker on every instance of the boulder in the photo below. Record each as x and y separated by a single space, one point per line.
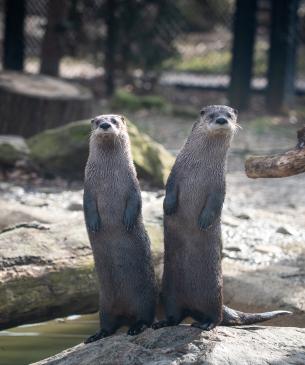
47 270
12 149
187 345
63 151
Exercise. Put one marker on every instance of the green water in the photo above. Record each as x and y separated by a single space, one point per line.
26 344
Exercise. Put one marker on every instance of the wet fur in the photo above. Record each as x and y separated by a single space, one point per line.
195 191
120 245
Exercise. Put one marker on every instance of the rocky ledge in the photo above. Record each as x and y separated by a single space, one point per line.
253 345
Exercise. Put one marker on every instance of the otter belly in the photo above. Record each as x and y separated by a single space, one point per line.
193 264
124 270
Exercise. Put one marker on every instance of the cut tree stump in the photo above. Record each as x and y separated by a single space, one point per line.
285 164
32 103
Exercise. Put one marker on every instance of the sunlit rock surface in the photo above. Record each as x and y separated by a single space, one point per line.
186 345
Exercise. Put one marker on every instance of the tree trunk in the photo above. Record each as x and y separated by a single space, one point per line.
13 46
32 103
282 55
285 164
110 50
243 49
53 41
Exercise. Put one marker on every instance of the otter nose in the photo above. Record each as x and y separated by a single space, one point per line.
221 121
105 125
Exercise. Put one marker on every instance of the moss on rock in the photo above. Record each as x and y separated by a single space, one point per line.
63 151
12 149
124 99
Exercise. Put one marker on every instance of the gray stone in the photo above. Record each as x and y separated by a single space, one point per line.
186 345
12 149
284 230
64 150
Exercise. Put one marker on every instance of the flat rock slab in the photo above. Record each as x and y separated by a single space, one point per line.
187 345
47 269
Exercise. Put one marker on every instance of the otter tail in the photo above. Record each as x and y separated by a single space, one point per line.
233 317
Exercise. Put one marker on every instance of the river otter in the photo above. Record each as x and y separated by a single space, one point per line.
120 245
195 192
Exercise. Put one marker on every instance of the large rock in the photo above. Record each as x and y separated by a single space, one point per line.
12 149
186 345
64 151
47 270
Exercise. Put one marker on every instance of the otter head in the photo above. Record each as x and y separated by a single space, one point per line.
217 120
108 126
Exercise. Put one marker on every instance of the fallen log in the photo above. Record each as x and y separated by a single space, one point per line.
285 164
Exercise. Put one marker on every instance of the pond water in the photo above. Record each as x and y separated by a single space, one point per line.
29 343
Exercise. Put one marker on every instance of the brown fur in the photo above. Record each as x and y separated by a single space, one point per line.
195 191
120 244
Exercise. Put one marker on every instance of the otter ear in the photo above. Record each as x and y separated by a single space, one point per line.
94 123
202 111
123 120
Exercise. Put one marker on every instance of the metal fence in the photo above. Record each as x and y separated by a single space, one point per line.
199 31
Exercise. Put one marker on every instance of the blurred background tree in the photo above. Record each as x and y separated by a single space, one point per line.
137 42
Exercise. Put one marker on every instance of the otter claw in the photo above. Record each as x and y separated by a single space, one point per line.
94 227
205 223
170 205
97 336
136 329
206 326
128 224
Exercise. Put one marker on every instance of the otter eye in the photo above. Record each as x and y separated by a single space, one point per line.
228 115
202 112
113 121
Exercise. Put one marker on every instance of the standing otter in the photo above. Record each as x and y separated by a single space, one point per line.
120 245
195 192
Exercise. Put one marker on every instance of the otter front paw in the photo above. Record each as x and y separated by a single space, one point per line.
205 221
94 225
128 221
170 204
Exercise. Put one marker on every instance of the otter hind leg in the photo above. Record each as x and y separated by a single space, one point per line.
205 326
137 328
173 314
97 336
109 324
168 322
173 318
203 321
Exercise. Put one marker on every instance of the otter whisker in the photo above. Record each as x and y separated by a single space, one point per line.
236 125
